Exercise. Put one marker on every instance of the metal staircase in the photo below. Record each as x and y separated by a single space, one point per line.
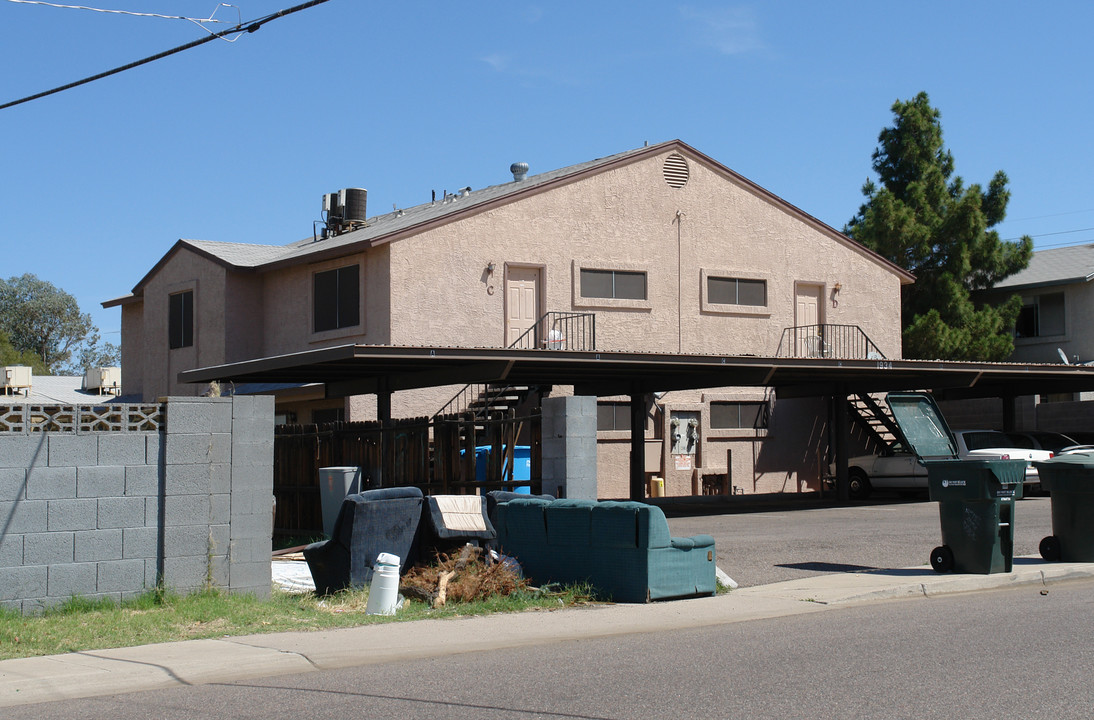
553 331
873 417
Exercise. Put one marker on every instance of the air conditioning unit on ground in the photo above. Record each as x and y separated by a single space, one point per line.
104 380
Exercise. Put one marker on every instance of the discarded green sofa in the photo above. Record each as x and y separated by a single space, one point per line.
622 549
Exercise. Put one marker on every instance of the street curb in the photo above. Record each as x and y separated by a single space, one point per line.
27 681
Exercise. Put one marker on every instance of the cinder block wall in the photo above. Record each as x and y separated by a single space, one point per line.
104 502
569 447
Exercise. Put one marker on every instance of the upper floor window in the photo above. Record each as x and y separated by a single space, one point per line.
180 322
1041 316
615 284
336 298
736 291
734 415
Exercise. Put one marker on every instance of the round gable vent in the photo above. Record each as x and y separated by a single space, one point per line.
675 171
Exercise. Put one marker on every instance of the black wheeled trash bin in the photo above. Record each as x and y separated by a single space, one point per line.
1069 479
975 497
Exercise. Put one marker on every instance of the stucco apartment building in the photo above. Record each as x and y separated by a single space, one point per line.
669 250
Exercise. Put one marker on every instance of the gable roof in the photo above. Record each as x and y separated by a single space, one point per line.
414 220
1059 266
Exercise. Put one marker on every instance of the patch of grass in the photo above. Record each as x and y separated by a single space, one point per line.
162 616
281 542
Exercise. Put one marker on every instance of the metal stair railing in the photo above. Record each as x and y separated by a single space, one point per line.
844 342
559 331
875 420
554 331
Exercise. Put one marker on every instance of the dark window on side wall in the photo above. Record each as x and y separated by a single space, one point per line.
617 284
733 415
180 322
736 291
613 416
1042 316
337 298
328 415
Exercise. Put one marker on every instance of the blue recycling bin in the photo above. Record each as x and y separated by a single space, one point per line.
522 465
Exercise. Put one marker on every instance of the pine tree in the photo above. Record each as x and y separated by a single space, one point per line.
924 219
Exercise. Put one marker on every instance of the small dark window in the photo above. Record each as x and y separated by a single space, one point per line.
1026 325
736 291
1043 316
337 298
733 415
325 416
617 284
180 322
613 416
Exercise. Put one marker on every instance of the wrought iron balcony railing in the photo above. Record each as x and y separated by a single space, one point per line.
845 342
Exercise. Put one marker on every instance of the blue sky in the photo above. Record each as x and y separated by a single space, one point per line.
238 141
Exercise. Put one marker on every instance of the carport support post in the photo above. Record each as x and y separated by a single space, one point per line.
638 446
383 414
1010 412
842 437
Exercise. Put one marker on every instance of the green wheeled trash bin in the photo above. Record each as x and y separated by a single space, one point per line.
975 497
976 509
1069 479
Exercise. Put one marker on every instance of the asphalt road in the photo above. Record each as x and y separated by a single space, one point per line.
1008 653
794 541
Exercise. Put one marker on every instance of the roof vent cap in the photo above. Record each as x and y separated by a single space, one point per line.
519 170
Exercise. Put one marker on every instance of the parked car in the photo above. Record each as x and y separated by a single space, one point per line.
993 444
900 469
1042 440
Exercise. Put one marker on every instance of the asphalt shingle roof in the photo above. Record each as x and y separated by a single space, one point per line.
1058 266
241 255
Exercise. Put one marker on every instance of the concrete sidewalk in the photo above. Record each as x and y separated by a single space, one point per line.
105 672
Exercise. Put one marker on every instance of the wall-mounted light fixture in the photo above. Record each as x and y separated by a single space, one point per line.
490 267
835 294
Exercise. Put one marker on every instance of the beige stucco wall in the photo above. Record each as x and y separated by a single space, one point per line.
184 270
287 305
434 289
630 219
132 348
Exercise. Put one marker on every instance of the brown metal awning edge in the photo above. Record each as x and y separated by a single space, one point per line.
361 369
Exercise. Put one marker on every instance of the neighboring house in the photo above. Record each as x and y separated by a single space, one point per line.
669 250
1057 291
1057 305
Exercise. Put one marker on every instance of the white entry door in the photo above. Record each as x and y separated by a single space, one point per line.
809 304
522 299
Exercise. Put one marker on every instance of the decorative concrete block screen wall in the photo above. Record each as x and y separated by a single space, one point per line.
108 501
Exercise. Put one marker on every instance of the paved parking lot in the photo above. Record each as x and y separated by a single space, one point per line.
797 540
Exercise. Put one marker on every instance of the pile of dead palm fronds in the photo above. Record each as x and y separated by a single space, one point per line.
461 577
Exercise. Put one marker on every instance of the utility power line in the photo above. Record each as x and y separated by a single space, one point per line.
125 12
1040 235
248 27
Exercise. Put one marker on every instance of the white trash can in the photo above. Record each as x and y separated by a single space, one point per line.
383 593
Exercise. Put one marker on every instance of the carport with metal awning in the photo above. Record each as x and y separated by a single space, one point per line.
348 370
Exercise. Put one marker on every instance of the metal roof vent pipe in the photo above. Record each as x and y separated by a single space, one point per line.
519 170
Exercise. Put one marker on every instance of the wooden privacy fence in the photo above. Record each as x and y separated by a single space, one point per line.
452 454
